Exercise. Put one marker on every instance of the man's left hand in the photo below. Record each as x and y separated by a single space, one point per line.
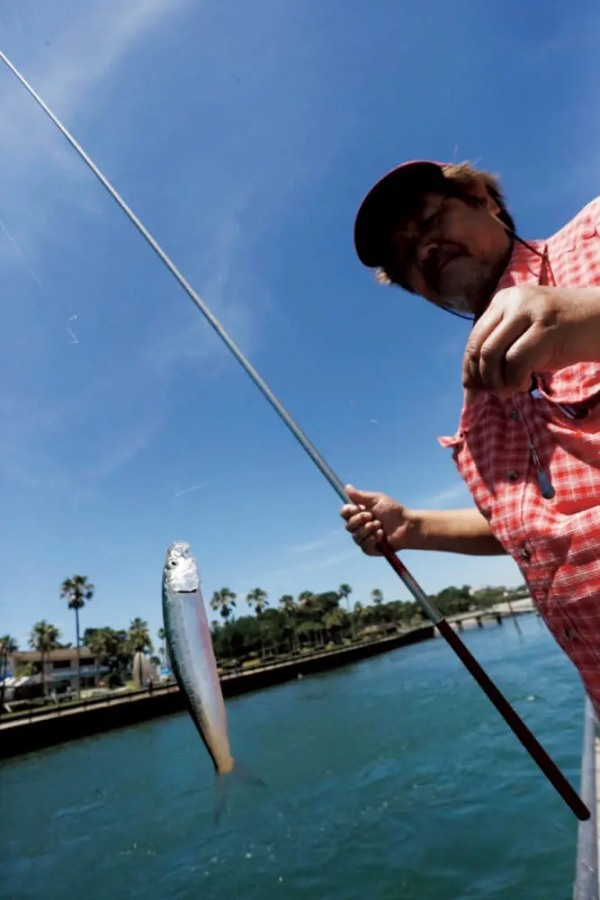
527 329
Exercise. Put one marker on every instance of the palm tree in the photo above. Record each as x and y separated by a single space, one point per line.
344 591
258 599
288 606
139 643
138 636
44 638
223 601
164 648
334 621
8 645
358 612
377 598
78 590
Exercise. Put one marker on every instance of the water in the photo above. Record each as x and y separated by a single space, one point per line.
391 779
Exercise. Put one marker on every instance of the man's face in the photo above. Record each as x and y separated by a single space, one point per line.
452 251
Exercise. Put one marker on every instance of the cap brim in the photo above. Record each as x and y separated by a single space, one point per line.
382 206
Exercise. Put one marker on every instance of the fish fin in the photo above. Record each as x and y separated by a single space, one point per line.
223 782
247 776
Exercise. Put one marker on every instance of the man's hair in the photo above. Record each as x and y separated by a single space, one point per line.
460 177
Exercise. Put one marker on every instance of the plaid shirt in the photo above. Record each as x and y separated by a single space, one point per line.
502 446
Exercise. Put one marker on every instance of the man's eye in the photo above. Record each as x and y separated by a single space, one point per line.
428 223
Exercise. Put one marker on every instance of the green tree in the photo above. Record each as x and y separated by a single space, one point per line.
452 600
78 592
138 637
44 638
335 620
8 645
344 591
110 646
287 604
223 602
257 598
164 648
139 643
377 599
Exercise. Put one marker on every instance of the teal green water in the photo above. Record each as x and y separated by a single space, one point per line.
392 778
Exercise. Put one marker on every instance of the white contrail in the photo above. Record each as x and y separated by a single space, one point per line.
195 487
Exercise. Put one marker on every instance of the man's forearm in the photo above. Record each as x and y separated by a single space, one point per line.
452 531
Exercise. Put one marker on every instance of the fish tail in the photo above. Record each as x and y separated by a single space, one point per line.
223 782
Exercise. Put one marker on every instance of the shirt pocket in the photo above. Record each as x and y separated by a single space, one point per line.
572 396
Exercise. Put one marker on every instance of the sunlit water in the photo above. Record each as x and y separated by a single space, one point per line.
391 778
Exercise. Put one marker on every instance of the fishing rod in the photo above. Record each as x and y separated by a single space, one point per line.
511 717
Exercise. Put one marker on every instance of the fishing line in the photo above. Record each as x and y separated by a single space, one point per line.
529 741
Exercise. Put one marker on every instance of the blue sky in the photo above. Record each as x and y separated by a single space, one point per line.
244 136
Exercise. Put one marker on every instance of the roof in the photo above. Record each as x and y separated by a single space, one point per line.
53 655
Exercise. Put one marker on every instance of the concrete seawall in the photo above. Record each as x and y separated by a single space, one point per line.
45 729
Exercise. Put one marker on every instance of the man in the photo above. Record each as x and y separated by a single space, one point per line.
528 442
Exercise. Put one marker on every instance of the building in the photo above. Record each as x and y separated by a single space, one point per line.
60 668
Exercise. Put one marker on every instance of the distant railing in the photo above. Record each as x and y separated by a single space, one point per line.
68 708
586 873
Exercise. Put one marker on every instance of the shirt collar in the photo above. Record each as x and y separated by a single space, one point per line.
524 265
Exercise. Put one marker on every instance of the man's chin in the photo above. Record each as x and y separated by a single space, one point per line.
470 295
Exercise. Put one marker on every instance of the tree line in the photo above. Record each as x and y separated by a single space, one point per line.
313 620
295 624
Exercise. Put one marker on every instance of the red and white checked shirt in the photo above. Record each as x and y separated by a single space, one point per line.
556 543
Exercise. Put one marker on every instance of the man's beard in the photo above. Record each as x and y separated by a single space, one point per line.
469 289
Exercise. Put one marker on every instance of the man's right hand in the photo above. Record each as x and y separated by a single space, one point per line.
372 516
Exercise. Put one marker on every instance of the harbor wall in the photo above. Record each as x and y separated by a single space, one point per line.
36 730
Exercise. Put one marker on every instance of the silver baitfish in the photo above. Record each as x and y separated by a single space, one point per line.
192 655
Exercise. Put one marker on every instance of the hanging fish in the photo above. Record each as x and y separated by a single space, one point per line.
193 659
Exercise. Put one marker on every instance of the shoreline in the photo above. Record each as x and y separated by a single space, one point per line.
38 730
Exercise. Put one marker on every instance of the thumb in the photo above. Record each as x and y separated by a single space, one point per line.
362 498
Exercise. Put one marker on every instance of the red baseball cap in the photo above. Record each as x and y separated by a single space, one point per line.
381 208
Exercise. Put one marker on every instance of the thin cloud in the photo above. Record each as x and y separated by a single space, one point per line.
314 546
190 490
448 495
92 44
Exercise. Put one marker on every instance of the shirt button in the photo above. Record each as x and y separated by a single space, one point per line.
569 634
514 415
525 554
513 475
